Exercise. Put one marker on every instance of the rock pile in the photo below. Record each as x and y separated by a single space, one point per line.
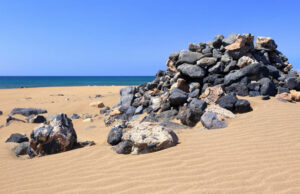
211 73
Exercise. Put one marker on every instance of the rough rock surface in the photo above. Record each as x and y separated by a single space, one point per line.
27 111
17 138
211 121
215 71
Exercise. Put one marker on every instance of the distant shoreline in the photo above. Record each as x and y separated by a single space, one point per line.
14 82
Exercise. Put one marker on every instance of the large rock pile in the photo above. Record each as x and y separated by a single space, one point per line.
210 74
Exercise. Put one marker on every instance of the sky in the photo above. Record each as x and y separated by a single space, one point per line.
130 37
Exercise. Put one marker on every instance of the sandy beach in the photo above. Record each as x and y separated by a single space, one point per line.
259 152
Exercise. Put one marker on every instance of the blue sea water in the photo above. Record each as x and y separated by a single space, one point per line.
48 81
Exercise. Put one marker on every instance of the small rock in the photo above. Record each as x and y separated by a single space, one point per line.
98 104
90 127
211 121
27 111
227 102
212 94
115 112
242 106
177 97
36 119
265 43
265 97
22 148
115 135
207 61
124 147
10 119
88 120
17 138
192 71
284 97
295 95
75 116
98 96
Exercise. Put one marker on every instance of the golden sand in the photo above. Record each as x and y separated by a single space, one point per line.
259 152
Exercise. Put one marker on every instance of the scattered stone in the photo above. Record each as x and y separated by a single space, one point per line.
75 116
287 97
98 104
17 138
115 112
98 96
90 127
22 148
105 110
124 147
242 106
115 135
27 111
88 120
36 119
227 102
10 119
211 121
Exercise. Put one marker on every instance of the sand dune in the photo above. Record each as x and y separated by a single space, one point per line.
259 152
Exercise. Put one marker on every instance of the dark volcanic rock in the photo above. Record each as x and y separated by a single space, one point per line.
192 71
267 87
57 136
227 102
17 138
239 88
177 97
36 119
124 147
127 95
75 116
188 57
115 136
27 111
242 106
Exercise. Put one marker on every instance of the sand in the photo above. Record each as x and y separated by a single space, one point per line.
259 152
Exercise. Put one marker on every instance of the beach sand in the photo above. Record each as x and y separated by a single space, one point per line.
259 152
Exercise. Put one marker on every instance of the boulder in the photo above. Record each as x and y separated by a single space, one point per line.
212 94
227 102
230 39
207 61
17 138
181 84
242 106
57 136
124 147
188 57
221 112
238 88
265 43
139 110
211 121
171 66
127 95
193 71
22 148
291 83
177 97
27 111
191 116
115 135
149 137
267 87
238 43
265 97
97 104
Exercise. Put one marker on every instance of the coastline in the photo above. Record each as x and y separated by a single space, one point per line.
259 150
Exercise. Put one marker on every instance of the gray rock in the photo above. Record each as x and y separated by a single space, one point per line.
90 127
192 71
227 102
194 47
231 38
265 97
115 135
17 138
124 147
254 93
242 106
75 116
173 125
188 57
156 103
10 119
238 88
27 111
291 83
21 149
127 95
231 66
218 68
167 115
282 90
210 121
267 87
177 97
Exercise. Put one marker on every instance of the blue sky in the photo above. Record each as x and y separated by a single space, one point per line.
130 37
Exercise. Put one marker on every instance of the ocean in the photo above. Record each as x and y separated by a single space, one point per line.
49 81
